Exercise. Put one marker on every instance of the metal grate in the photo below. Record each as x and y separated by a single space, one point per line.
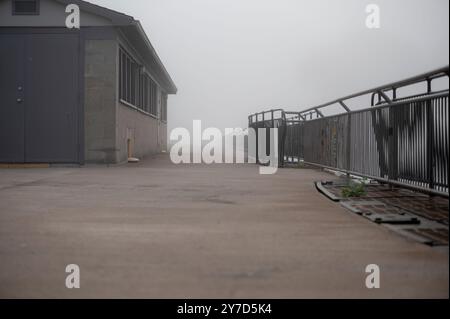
411 214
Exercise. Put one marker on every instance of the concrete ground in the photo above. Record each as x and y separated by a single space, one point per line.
156 230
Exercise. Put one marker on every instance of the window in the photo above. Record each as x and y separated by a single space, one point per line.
129 79
164 107
25 7
135 85
149 96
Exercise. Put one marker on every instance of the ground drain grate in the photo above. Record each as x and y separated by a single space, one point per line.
430 234
387 218
413 215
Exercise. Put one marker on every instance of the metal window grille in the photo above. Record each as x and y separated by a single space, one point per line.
136 87
25 7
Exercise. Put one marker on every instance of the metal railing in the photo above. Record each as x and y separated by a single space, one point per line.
400 141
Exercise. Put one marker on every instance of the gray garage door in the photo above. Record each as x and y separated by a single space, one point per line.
39 98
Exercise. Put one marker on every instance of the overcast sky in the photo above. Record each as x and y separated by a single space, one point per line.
230 58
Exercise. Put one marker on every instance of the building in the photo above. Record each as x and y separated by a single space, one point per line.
97 94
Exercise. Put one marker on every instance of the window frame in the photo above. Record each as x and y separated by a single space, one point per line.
35 13
143 95
164 98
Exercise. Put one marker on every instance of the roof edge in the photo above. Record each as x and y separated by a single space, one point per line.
173 88
116 18
120 19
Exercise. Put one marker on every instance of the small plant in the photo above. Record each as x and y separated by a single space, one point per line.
301 165
354 190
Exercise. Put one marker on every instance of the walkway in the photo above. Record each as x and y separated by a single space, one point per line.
156 230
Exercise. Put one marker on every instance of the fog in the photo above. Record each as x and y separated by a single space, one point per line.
230 58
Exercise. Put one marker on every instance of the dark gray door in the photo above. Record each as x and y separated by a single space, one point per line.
52 99
12 76
39 120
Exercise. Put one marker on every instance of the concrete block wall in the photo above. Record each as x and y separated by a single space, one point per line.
163 137
100 101
110 124
141 129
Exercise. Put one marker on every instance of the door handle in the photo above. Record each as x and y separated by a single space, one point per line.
19 100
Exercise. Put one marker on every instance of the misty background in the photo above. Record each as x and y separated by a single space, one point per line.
230 58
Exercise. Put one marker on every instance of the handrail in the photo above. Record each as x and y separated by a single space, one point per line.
428 76
380 90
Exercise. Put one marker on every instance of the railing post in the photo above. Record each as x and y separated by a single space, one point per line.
392 145
431 159
430 144
273 120
349 141
257 137
273 126
283 139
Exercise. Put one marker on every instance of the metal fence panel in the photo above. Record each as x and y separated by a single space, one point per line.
406 143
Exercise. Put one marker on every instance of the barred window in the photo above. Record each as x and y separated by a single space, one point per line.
128 79
149 96
135 85
164 107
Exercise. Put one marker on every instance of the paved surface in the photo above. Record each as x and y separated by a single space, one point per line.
156 230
